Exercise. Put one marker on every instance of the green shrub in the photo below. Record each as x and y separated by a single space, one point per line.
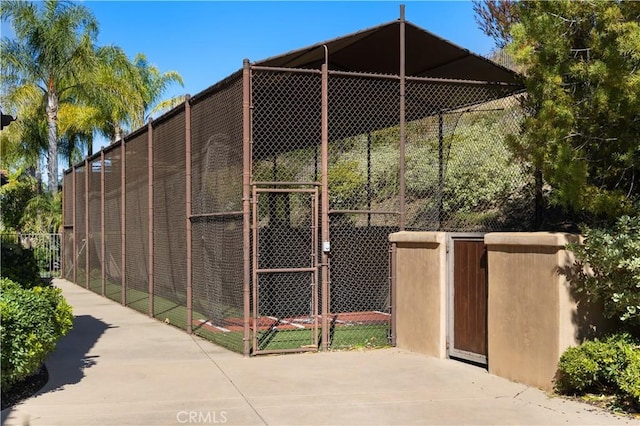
14 198
613 257
578 371
31 322
19 264
629 378
347 185
608 366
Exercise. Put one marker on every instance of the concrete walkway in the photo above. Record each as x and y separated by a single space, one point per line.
118 367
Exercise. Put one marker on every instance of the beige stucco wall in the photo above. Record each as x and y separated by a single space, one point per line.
531 313
420 293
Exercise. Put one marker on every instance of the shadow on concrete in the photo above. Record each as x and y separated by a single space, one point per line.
67 363
588 315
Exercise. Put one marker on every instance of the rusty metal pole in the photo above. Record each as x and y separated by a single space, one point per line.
74 233
102 228
187 140
123 218
86 223
403 132
150 211
246 204
325 201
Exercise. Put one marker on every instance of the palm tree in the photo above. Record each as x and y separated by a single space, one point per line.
129 93
76 123
104 106
53 49
154 85
43 214
121 94
23 143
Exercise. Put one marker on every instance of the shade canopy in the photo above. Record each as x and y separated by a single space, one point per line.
377 50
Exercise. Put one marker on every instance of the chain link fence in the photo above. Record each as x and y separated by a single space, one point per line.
136 223
363 178
460 173
285 172
217 218
80 227
216 214
113 224
94 216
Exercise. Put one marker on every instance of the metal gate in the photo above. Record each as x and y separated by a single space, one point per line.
467 297
285 270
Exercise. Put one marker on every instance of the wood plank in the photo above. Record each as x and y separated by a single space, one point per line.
470 296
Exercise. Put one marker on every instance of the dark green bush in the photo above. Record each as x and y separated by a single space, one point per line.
31 322
19 264
609 366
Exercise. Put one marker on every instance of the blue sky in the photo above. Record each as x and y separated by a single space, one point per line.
207 40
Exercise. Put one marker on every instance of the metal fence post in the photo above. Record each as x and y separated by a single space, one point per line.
63 242
150 216
102 242
123 218
86 223
187 115
392 270
440 170
325 202
246 203
256 301
74 233
403 132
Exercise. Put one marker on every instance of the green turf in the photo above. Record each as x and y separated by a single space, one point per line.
284 339
113 291
95 281
231 340
360 336
342 337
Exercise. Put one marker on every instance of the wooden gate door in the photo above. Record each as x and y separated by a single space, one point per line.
468 299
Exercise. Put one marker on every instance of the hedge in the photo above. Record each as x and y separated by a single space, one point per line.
31 322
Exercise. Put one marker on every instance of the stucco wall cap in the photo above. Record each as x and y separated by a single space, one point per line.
418 237
551 239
